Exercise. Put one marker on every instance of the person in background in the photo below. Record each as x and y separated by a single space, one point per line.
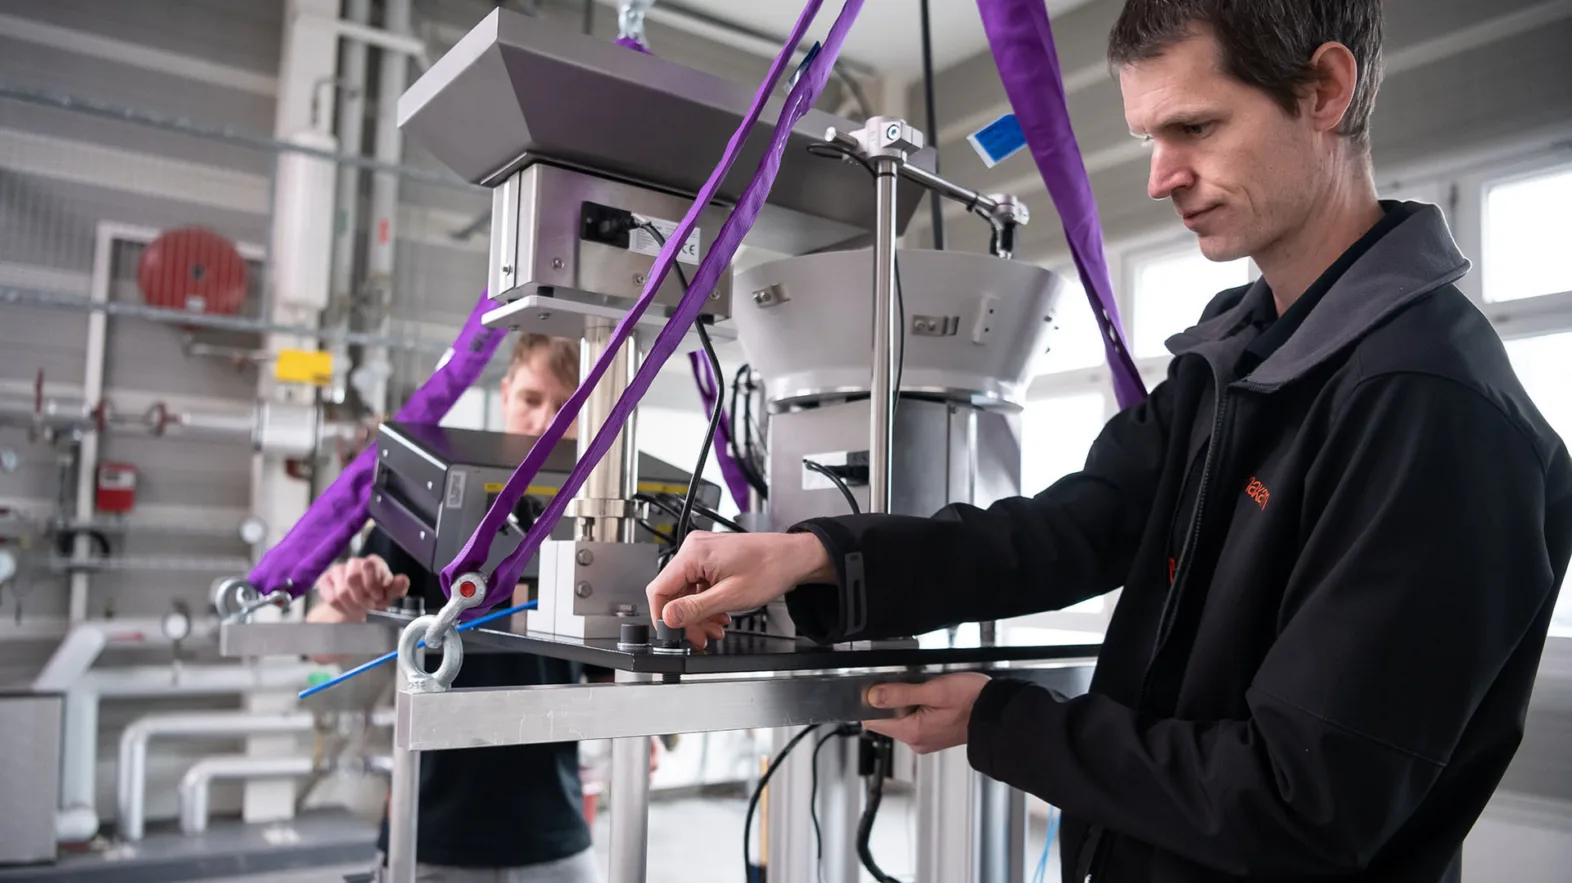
514 813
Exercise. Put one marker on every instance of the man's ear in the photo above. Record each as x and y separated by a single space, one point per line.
1332 92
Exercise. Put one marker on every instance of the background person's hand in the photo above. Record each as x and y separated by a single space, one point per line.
713 574
941 710
358 585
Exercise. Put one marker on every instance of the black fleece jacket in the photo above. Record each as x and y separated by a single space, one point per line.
1331 680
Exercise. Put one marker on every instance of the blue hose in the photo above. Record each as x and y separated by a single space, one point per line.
1053 830
390 656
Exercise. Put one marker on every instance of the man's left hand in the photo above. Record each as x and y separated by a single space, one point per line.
941 710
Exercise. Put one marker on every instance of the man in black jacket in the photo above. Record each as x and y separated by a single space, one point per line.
1340 524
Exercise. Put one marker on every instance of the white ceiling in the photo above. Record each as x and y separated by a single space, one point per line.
887 34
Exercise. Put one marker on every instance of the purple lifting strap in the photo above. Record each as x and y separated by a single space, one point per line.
318 537
736 226
710 393
1023 50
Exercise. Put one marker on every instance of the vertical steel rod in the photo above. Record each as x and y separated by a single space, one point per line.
630 804
614 478
885 333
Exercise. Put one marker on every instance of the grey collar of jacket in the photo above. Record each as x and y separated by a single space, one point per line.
1417 257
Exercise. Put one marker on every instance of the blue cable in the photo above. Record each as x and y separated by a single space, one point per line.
1053 830
392 655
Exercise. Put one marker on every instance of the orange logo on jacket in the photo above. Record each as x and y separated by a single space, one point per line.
1258 492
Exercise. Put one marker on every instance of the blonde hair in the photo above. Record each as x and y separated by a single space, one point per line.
562 357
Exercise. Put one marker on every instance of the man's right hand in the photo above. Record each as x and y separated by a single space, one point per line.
713 574
351 588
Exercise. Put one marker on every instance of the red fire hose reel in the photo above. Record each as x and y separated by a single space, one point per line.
193 269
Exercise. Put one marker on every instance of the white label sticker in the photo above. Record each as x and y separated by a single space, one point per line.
640 240
456 482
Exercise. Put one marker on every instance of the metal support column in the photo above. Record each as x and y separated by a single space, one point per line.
1001 832
403 795
790 855
840 806
602 507
886 331
945 798
630 803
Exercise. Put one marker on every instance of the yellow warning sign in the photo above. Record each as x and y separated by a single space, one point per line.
303 366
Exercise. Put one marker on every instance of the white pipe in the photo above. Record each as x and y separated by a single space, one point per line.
92 392
131 791
387 147
79 736
75 825
389 38
85 642
351 137
194 786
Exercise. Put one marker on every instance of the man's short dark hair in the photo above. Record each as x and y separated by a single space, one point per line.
1267 44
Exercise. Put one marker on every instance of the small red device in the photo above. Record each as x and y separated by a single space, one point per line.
116 489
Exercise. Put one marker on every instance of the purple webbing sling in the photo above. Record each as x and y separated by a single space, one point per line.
318 537
1023 50
710 393
736 226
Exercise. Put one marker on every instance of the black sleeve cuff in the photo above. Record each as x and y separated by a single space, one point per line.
831 613
984 729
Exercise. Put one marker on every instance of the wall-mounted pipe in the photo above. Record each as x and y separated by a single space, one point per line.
281 429
79 731
196 784
131 791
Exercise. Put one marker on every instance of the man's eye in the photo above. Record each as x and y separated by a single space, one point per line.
1196 130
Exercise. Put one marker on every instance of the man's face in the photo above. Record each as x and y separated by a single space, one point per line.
531 397
1240 171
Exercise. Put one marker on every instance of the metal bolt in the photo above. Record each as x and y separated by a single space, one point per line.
422 534
556 263
586 556
384 452
544 315
428 485
583 590
507 269
715 295
638 278
624 609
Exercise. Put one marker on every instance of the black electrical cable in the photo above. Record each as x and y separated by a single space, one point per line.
711 514
758 790
842 731
686 518
874 795
656 532
933 127
840 483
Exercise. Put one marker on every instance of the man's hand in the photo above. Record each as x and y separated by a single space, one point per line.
941 710
714 574
350 588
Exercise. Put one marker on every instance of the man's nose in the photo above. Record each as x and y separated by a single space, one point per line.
1169 173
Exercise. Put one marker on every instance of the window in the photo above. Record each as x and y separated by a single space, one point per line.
1172 288
1076 342
1525 226
1543 364
1056 433
469 412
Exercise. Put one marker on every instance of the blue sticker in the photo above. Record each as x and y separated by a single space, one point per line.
998 140
797 74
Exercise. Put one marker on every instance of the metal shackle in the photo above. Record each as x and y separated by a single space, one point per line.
419 680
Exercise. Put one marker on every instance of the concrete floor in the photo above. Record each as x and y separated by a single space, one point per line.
699 840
